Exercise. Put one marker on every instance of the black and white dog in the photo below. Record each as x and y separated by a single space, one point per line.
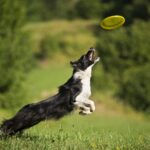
73 94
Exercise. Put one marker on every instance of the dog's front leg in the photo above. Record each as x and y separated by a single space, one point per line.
89 103
86 106
84 109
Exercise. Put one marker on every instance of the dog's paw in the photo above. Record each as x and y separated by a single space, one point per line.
92 106
85 112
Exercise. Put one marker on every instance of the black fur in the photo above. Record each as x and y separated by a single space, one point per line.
52 108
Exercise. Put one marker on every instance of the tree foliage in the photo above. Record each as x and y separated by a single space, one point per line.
124 52
14 53
50 9
124 55
135 87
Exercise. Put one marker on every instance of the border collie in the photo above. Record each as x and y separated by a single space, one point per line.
73 94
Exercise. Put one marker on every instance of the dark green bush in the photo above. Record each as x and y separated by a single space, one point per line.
124 49
37 10
15 54
50 9
48 47
89 9
66 43
129 9
69 9
135 87
51 45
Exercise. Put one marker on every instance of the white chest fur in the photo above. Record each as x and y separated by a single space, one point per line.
85 77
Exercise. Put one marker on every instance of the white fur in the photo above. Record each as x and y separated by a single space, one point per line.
85 77
82 100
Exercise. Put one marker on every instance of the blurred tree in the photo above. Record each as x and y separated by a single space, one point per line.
61 9
50 9
124 49
89 9
15 55
130 9
135 87
37 10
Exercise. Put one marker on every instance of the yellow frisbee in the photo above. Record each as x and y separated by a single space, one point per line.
112 22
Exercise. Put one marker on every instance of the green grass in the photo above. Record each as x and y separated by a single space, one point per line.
83 133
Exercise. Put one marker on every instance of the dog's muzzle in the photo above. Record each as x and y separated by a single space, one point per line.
91 55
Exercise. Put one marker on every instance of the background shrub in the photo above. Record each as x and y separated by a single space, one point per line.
135 87
123 50
15 54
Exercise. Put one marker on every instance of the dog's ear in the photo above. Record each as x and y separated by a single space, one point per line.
73 64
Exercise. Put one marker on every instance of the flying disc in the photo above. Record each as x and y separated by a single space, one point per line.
112 22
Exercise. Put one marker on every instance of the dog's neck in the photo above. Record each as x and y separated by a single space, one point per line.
83 74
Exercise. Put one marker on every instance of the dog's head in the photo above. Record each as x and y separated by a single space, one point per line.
86 60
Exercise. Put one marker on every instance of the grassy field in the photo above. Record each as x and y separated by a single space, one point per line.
83 133
111 127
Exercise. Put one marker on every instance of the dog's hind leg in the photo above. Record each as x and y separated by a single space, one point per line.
26 117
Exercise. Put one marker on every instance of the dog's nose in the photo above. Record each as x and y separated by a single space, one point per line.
92 49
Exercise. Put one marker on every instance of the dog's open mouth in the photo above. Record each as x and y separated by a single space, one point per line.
91 54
